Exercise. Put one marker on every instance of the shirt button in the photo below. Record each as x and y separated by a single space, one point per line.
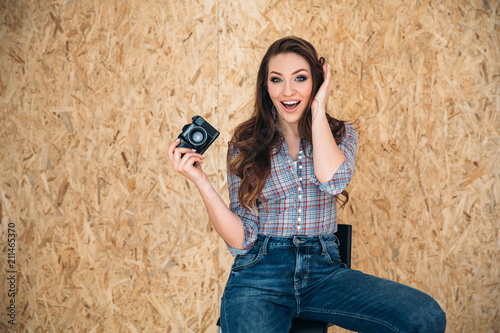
300 157
299 189
298 227
300 196
300 166
299 219
300 179
300 210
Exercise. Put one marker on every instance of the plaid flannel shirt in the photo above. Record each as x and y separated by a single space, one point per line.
297 203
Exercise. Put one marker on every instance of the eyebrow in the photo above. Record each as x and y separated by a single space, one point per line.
297 71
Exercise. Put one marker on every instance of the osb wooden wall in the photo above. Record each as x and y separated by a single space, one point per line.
110 239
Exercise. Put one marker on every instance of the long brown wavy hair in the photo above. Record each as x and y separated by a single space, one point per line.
256 138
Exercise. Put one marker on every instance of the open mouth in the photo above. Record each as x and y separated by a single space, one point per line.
290 105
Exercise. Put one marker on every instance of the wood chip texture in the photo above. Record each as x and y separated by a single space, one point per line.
111 239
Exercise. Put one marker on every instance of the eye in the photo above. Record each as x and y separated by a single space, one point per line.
301 78
275 79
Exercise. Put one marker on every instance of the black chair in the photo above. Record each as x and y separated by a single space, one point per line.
344 235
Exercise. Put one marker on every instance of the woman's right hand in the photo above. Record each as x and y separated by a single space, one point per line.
227 224
189 164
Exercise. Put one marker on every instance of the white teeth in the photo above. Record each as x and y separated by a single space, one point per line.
290 103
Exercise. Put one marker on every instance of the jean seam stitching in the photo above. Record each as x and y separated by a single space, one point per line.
353 315
297 299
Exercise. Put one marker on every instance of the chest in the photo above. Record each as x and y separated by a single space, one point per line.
293 144
287 176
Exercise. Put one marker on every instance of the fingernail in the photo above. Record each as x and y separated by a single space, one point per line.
177 139
193 150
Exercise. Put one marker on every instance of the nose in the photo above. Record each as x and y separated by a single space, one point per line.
289 89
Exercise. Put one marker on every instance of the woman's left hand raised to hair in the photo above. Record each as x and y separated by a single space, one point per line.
327 156
319 104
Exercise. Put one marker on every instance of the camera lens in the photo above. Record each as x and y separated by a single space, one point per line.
198 136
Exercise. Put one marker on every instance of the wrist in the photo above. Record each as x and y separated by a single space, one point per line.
203 184
318 114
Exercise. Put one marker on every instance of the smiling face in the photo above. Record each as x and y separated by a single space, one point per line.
289 84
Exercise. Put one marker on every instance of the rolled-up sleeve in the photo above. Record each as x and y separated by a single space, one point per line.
343 175
248 218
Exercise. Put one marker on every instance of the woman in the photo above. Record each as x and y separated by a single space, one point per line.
287 167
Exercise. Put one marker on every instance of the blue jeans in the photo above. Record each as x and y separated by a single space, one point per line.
283 278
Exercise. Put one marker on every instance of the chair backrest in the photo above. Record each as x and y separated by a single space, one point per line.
344 235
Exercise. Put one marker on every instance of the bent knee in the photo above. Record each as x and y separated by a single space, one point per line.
437 319
431 318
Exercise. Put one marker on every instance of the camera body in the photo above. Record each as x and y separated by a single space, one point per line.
198 135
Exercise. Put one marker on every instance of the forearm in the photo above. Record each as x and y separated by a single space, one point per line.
327 157
227 224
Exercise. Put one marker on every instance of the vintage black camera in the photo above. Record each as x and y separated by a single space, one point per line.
198 135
